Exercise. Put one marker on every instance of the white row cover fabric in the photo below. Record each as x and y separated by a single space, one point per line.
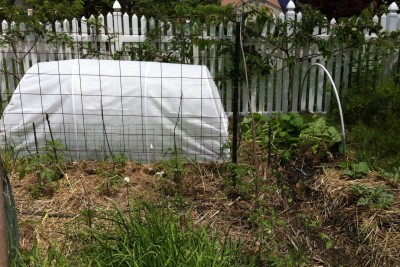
101 108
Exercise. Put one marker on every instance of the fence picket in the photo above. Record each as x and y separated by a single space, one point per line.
228 100
253 91
245 99
313 79
270 97
125 23
279 85
320 87
304 78
212 51
143 25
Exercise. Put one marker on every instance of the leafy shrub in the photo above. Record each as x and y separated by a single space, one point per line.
293 135
372 116
373 104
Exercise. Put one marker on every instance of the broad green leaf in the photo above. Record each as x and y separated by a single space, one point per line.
297 122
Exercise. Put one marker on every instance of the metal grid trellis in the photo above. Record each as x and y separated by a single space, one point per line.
97 109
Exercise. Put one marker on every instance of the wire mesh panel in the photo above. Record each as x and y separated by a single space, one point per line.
97 109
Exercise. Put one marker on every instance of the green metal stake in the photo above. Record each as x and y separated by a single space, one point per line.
235 122
3 223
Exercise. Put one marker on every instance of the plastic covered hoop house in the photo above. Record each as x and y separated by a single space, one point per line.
102 108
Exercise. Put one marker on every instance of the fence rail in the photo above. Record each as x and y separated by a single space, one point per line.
121 36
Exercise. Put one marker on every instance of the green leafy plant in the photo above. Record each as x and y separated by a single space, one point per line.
355 170
308 221
175 166
374 197
110 180
268 230
48 166
293 135
393 175
328 241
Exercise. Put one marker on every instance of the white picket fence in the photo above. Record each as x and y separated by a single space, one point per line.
266 93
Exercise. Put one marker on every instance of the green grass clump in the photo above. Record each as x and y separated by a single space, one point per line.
149 236
376 145
372 117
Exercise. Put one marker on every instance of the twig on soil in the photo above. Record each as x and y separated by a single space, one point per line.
202 217
233 202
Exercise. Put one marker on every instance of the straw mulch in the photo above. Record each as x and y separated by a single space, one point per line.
49 219
376 231
45 220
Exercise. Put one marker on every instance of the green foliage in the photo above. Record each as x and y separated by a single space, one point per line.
393 175
350 30
344 8
112 177
44 10
373 103
309 221
150 236
355 170
328 241
269 229
374 197
37 256
292 136
47 165
238 185
372 111
378 146
110 180
315 228
175 167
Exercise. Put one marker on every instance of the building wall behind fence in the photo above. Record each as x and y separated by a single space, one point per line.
122 37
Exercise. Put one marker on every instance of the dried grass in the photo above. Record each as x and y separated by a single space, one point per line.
44 220
377 231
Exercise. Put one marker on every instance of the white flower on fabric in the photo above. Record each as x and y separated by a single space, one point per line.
151 147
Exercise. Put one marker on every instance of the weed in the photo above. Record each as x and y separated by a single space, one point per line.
308 222
48 165
175 167
37 256
119 161
147 236
393 175
372 113
11 158
328 241
355 170
110 179
293 137
269 228
374 197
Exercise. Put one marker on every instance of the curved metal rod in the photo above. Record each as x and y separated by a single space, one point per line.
337 98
